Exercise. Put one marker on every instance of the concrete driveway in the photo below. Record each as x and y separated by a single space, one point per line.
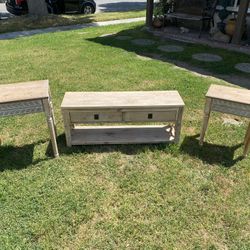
102 6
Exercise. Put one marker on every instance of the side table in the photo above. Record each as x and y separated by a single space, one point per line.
26 98
227 100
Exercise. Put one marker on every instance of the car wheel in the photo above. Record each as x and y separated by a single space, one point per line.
88 9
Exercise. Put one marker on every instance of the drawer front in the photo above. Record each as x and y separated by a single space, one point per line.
21 108
150 116
95 116
231 108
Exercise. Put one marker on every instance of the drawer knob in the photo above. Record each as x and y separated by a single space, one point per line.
96 117
150 116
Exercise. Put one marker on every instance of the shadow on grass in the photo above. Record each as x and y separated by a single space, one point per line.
210 153
222 70
17 158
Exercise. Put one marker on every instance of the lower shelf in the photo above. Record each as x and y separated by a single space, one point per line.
122 135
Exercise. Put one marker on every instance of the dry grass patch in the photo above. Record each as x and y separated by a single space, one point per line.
19 23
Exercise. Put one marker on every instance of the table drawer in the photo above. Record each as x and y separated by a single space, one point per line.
95 116
150 116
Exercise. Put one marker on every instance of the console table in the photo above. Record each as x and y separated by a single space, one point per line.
26 98
228 100
121 107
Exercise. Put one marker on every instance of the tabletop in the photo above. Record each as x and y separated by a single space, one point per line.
24 91
127 99
229 94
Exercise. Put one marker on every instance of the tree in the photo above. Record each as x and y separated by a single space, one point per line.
241 21
37 7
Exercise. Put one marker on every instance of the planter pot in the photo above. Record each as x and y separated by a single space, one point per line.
157 23
230 27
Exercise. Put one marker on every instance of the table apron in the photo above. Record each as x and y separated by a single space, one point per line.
21 108
231 108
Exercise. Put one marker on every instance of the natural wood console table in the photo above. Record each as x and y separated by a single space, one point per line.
227 100
119 107
27 98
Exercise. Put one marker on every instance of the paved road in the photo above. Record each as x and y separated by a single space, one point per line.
122 5
103 6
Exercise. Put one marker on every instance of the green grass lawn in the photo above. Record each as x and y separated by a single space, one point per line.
119 197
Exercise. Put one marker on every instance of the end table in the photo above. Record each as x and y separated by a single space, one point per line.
228 100
26 98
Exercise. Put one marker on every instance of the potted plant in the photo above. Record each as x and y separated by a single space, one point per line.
161 8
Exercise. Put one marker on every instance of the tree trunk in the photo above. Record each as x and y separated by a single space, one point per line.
149 12
241 21
37 7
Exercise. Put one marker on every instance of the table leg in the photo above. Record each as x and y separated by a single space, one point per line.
67 127
247 141
51 125
53 115
178 125
207 112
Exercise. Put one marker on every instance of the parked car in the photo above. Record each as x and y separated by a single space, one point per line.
17 7
20 7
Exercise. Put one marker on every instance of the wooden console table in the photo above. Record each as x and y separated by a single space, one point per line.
27 98
119 107
227 100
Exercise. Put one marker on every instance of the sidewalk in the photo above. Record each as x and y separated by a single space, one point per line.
17 34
